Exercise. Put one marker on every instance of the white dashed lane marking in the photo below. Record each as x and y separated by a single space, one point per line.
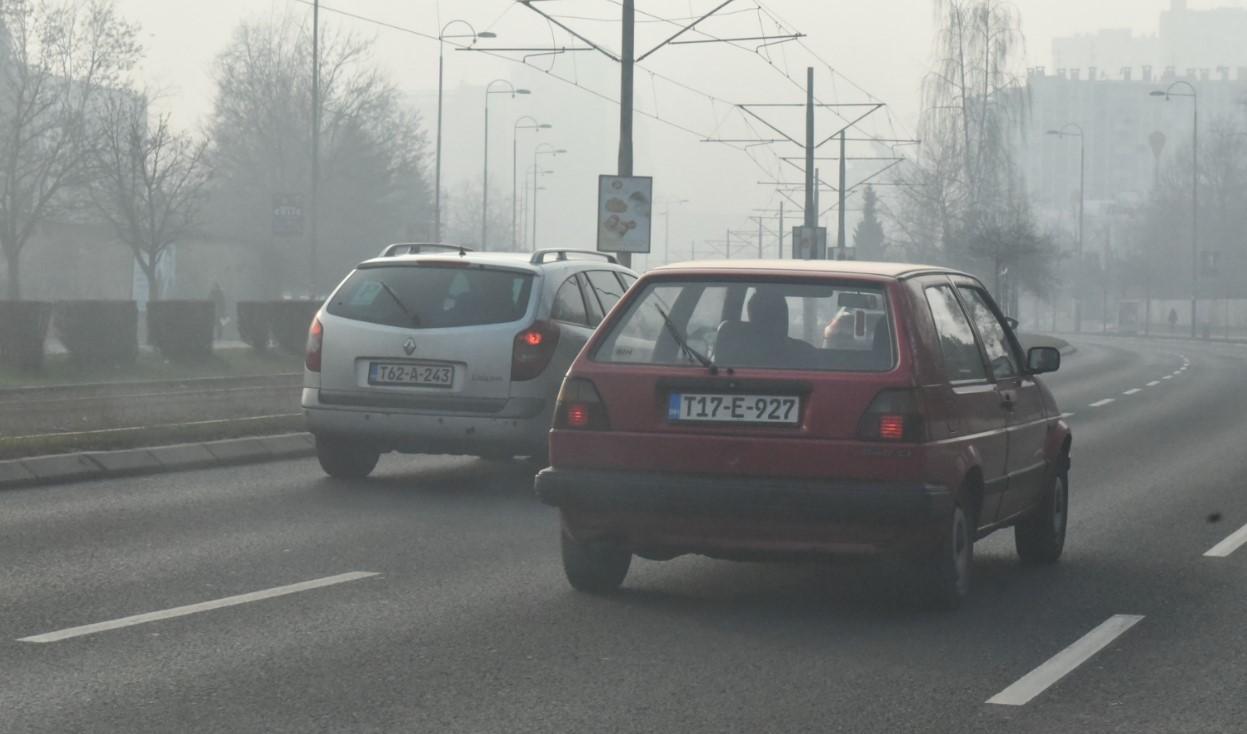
229 601
1063 663
1153 383
1102 403
1229 545
1133 391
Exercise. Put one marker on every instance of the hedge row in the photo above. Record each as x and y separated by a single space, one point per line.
99 332
106 332
23 331
261 323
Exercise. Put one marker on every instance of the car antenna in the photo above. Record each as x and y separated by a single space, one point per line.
462 252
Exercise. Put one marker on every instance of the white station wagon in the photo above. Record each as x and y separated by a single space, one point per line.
436 349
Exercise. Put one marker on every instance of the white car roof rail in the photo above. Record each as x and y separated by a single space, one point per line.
540 256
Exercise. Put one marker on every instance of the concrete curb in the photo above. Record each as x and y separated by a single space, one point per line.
76 467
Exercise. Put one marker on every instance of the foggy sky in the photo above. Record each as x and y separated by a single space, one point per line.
882 45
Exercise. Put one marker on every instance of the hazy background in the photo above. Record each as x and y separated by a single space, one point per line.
882 45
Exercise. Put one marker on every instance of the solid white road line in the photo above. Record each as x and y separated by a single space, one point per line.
1153 383
1133 391
1102 403
229 601
1063 663
1229 545
1068 415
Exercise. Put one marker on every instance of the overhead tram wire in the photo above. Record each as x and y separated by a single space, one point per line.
411 31
575 83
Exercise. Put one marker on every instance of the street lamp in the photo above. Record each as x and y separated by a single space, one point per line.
489 89
1167 94
1068 132
534 125
437 176
551 151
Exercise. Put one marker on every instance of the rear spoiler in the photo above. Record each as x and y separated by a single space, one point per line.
418 248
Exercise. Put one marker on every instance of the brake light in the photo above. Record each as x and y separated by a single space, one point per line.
580 407
577 415
892 427
315 345
894 415
533 349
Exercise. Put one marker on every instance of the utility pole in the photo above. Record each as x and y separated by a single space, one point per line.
313 269
780 254
627 66
811 203
627 61
841 253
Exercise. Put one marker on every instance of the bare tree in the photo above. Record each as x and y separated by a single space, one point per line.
464 221
148 181
974 98
963 197
373 187
59 60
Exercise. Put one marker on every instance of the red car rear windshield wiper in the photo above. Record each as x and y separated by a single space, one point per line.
692 354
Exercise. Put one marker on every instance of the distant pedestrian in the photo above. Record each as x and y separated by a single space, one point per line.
218 308
1173 320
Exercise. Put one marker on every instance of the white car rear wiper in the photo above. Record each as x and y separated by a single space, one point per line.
412 317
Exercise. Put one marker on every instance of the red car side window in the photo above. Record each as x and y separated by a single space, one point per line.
961 353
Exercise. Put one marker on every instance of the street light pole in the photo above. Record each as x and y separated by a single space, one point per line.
537 181
1082 202
485 174
437 166
515 237
1167 94
537 173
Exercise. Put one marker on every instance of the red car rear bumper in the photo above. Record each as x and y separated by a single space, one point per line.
665 514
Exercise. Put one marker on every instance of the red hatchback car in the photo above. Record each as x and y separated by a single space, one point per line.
710 414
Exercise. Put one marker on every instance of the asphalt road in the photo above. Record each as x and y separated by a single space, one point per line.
468 625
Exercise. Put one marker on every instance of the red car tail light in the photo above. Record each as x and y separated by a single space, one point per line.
894 415
315 345
580 407
533 349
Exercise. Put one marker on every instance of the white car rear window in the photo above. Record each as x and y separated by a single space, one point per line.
429 296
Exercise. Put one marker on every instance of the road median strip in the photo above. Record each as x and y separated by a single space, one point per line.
72 467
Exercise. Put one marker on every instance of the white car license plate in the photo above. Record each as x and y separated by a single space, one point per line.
411 373
734 408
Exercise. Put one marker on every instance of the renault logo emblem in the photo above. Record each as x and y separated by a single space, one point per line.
409 346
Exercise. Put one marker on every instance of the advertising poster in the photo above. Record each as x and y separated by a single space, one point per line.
625 206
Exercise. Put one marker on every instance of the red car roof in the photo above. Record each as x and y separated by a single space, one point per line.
807 267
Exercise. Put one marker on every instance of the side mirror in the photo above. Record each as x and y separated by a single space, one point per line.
1012 322
1043 359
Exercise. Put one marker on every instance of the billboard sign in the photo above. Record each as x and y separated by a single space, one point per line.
809 243
625 206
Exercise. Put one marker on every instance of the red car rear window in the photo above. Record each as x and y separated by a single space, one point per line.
764 324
